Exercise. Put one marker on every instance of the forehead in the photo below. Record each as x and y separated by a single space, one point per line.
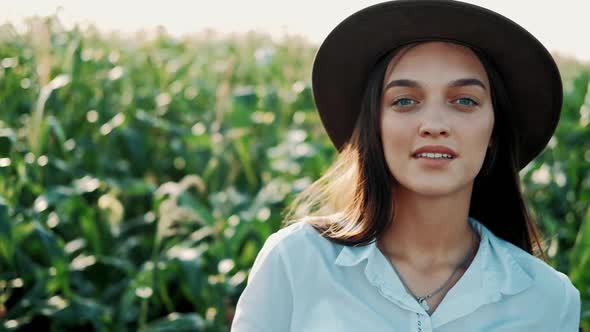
435 60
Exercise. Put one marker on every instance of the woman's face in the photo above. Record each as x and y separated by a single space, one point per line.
436 94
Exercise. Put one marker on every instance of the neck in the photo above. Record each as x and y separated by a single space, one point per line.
429 231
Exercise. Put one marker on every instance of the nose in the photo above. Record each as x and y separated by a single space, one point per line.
434 126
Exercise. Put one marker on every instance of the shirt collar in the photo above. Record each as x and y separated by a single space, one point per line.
493 270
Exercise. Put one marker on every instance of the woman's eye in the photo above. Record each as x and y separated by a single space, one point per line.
467 101
403 102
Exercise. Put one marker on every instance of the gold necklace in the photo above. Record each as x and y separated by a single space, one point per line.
422 300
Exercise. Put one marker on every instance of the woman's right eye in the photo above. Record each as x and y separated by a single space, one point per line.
402 102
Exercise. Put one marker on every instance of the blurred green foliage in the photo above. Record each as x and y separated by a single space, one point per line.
140 176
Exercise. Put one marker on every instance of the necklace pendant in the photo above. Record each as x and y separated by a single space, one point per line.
423 303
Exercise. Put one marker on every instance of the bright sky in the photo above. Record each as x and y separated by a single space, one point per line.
560 25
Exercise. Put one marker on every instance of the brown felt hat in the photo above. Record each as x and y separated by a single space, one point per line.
348 54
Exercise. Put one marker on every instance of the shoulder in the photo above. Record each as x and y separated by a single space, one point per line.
300 232
554 286
300 241
526 268
539 270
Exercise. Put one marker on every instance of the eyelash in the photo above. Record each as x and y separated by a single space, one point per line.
474 103
395 102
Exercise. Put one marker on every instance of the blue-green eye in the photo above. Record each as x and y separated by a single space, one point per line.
402 102
470 102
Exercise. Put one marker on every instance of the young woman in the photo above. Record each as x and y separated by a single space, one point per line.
420 224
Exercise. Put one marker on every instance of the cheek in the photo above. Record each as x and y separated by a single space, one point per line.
484 127
477 136
396 137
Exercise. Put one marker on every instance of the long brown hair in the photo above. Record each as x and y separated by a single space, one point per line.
350 203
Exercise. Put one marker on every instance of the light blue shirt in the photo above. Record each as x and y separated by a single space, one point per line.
301 281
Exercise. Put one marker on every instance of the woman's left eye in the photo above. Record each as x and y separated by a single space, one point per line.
467 101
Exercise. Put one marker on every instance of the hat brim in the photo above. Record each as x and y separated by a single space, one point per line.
347 55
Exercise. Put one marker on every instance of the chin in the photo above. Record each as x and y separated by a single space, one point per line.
433 189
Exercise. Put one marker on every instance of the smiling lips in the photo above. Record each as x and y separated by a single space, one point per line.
435 151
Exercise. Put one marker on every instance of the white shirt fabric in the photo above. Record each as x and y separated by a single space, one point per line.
301 281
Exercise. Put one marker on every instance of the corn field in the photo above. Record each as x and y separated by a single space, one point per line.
140 175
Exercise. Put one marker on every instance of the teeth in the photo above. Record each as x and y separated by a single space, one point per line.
434 155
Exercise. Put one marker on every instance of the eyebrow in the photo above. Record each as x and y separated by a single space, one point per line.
453 84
